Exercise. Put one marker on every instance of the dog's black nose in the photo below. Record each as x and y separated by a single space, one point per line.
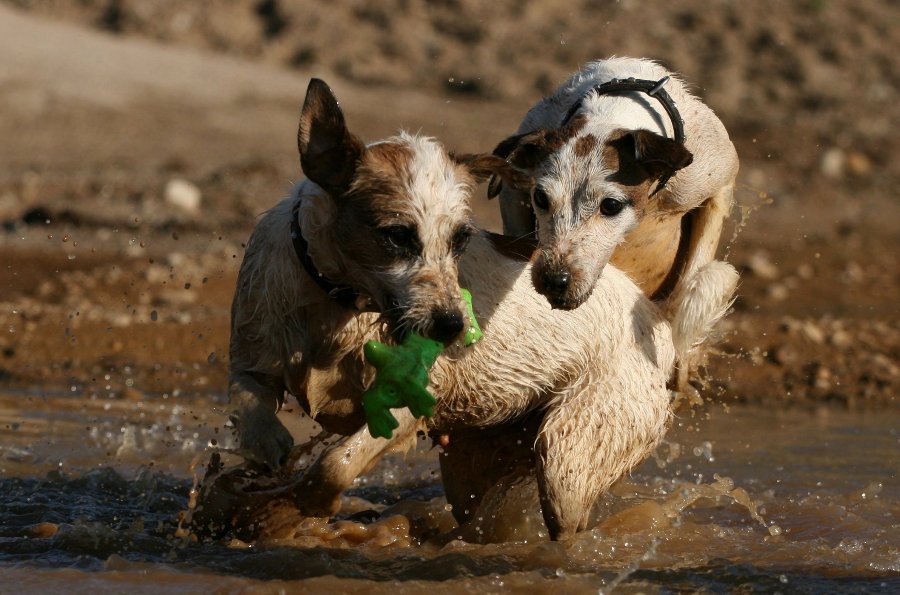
446 325
556 283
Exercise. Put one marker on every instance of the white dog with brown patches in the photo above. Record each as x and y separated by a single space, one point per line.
382 242
630 169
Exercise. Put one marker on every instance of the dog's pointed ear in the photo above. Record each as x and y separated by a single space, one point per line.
524 151
329 153
483 166
527 150
659 155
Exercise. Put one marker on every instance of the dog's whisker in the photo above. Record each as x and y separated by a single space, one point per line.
529 234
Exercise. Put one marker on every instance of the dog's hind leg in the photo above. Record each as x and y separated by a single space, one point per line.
476 460
319 491
698 303
594 433
707 228
703 293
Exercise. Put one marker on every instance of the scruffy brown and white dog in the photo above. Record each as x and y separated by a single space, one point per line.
382 241
630 169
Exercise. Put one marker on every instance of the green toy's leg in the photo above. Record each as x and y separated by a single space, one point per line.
474 333
379 418
421 402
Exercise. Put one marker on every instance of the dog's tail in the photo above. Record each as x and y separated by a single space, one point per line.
696 305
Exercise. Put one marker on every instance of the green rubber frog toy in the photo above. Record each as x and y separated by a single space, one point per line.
401 376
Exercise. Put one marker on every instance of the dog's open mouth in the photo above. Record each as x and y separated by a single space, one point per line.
392 317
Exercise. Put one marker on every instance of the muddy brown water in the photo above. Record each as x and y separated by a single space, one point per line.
736 498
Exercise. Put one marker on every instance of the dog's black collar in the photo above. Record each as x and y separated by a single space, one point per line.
344 295
653 89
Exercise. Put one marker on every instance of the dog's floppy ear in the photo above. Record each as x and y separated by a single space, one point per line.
483 166
659 155
329 154
525 151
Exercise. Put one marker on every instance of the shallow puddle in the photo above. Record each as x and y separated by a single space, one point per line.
746 499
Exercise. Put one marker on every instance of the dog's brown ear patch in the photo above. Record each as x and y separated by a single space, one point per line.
528 150
329 154
640 156
525 151
659 154
483 166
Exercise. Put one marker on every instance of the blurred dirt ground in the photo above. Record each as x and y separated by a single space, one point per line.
139 139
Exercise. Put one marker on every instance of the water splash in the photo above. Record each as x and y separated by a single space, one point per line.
655 516
628 571
759 199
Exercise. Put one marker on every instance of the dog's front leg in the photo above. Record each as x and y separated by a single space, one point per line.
594 433
253 401
319 491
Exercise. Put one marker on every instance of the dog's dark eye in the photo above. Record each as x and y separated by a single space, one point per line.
610 206
401 238
541 200
460 240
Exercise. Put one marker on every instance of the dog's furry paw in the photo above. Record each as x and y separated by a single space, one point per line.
695 308
263 438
